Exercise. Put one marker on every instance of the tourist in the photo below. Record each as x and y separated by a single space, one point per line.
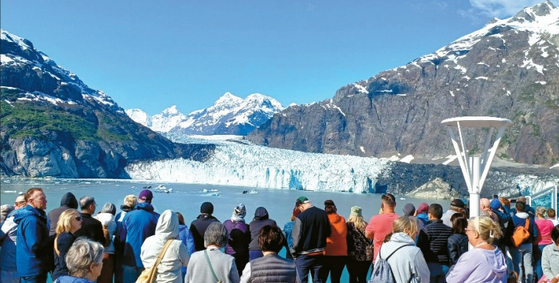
261 219
239 237
288 229
457 205
484 263
137 225
335 252
67 201
502 212
310 231
485 205
359 248
8 271
210 264
91 227
545 227
84 261
409 210
552 216
198 227
107 218
406 261
175 257
458 241
433 242
32 255
522 255
421 213
69 222
186 238
381 225
5 209
128 205
550 258
271 267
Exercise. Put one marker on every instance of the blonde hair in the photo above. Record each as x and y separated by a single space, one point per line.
402 223
130 201
487 229
357 221
540 211
64 223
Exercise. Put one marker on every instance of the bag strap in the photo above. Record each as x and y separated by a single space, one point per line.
379 254
210 264
162 253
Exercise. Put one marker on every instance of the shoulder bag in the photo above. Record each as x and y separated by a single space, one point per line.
211 268
149 274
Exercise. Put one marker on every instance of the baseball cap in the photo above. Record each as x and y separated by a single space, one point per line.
146 194
458 203
302 199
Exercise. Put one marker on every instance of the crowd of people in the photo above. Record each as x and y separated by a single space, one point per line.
73 243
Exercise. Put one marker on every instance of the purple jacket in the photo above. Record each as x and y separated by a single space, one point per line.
479 265
238 240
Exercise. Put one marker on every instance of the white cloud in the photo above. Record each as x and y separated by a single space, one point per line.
502 8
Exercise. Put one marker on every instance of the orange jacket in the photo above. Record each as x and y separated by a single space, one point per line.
336 244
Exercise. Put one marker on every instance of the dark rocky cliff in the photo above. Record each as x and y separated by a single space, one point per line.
504 70
52 124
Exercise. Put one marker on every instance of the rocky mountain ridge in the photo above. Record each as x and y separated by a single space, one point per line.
508 69
53 124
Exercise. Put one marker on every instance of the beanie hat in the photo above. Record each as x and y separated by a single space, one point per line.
495 204
409 209
422 208
207 207
240 210
356 211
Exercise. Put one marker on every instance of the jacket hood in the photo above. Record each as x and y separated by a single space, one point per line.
167 225
69 200
105 218
261 214
497 262
334 218
145 206
522 215
28 211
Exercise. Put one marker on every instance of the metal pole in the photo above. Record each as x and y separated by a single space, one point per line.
475 190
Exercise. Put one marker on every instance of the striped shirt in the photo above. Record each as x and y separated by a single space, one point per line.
433 240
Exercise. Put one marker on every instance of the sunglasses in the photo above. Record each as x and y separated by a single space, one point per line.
79 218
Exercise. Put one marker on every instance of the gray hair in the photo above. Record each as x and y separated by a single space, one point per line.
216 234
109 208
86 201
82 254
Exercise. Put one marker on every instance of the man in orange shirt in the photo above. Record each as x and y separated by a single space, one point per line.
381 225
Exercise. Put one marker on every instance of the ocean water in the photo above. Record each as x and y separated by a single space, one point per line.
187 198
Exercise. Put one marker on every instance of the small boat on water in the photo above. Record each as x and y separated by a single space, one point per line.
210 191
162 189
250 192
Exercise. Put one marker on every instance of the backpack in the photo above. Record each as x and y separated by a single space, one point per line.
381 271
521 234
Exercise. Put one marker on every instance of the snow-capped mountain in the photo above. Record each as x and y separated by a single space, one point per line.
230 115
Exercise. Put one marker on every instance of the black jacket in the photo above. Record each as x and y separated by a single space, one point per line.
310 231
198 228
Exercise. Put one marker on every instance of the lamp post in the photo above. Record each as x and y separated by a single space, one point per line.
475 168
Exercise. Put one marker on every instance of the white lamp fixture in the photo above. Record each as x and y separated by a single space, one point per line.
475 169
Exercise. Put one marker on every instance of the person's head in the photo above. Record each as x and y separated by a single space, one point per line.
216 235
457 205
405 224
295 213
239 212
484 204
69 200
261 213
520 206
69 221
207 208
305 203
330 206
356 217
505 202
5 209
36 198
482 229
521 199
551 213
459 223
540 212
271 239
145 196
435 211
88 204
555 235
20 202
409 209
422 208
85 259
108 208
130 201
388 203
495 204
180 217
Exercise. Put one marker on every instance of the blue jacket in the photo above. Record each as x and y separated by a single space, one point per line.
137 225
32 251
71 279
186 237
424 217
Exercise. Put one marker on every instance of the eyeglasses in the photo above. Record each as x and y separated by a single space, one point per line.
79 218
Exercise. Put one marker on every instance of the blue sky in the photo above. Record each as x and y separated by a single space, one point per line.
155 54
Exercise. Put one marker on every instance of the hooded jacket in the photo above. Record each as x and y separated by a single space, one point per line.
407 264
176 256
32 252
198 228
137 225
520 220
261 219
8 242
68 201
479 265
336 244
108 221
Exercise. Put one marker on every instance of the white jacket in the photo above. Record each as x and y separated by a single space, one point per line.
169 270
108 220
408 262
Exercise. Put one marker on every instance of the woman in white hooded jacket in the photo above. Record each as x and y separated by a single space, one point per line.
169 270
407 263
